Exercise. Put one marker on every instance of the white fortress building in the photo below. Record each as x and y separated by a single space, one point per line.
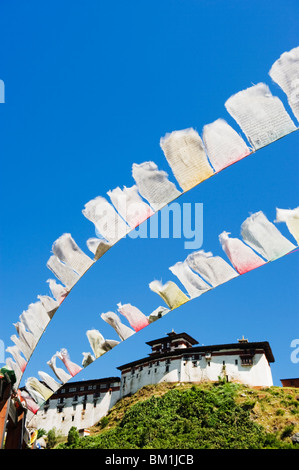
174 358
79 404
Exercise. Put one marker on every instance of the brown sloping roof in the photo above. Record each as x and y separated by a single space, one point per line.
246 347
172 336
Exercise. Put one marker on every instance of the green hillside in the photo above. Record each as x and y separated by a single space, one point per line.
210 415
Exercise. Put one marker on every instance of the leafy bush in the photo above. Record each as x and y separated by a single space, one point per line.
194 418
103 422
288 430
51 439
73 437
41 432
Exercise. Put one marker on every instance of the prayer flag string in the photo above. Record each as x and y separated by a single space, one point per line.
263 119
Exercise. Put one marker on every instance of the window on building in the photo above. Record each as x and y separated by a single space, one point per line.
140 368
75 398
73 418
82 388
84 405
155 370
167 368
236 362
103 386
150 365
133 371
72 389
247 360
62 390
157 363
89 387
223 362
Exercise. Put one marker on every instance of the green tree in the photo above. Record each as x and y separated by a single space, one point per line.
52 439
72 437
41 432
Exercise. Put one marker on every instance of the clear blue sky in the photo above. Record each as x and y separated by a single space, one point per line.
90 89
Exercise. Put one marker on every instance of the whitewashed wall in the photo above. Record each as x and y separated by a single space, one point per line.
180 370
63 421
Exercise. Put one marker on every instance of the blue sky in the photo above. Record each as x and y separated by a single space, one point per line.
90 88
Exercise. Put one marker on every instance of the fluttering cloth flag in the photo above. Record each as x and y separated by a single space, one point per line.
49 304
72 368
16 354
285 72
12 365
31 404
26 336
58 291
98 247
170 293
130 205
135 317
60 373
242 257
35 319
107 221
261 116
158 313
194 285
259 233
291 218
153 185
23 346
98 343
223 144
67 251
213 269
187 158
34 385
49 381
113 320
64 273
36 396
88 359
